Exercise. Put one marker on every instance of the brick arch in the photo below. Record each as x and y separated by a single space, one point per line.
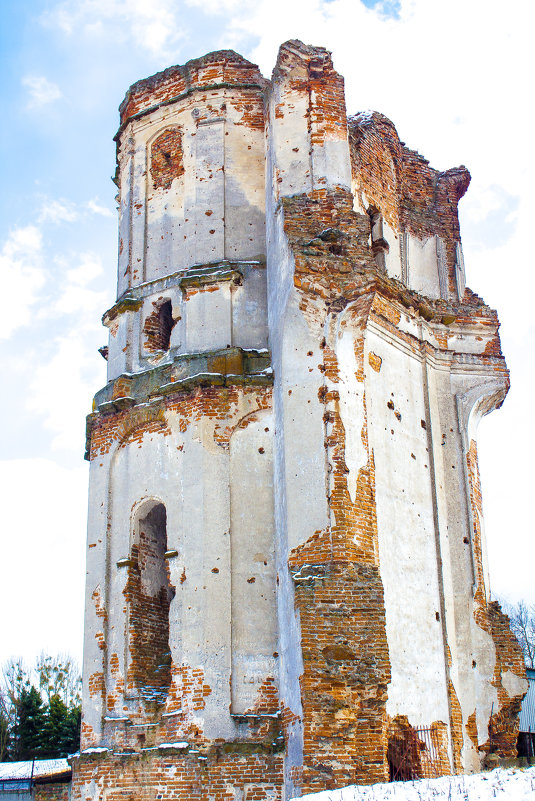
139 421
223 437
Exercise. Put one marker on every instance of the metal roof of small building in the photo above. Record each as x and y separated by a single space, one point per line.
527 712
42 768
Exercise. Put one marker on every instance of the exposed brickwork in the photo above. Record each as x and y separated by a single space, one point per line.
53 791
413 754
471 729
221 67
399 182
456 716
166 158
214 773
346 672
318 80
339 597
374 361
219 403
267 701
158 326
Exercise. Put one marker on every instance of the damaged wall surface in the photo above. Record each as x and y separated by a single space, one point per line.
286 569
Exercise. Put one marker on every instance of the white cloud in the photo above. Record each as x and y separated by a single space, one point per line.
221 6
41 90
76 297
96 208
62 386
153 25
42 565
22 275
481 200
58 211
68 369
90 267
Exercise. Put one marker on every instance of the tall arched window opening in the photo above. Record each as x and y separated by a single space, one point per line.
149 593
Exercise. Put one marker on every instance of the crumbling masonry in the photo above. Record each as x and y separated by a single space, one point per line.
286 556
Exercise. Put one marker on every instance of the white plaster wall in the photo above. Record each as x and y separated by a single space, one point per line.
95 594
199 482
331 164
473 392
119 338
423 265
193 486
138 176
125 167
170 226
249 308
290 141
406 533
210 191
253 571
351 394
245 192
302 419
393 257
215 210
209 319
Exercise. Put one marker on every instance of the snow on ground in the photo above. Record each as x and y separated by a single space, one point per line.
508 785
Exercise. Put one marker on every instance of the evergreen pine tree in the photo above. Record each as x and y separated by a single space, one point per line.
29 725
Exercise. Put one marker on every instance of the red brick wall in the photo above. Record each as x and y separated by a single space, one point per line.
55 791
214 774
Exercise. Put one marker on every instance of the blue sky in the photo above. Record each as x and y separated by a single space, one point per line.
451 74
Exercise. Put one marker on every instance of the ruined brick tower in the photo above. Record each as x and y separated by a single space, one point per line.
286 557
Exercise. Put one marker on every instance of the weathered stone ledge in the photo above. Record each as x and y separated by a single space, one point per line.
196 275
182 373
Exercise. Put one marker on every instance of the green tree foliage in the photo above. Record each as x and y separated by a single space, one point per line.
29 725
40 709
61 729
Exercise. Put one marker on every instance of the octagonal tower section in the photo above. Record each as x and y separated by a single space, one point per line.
180 632
190 174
